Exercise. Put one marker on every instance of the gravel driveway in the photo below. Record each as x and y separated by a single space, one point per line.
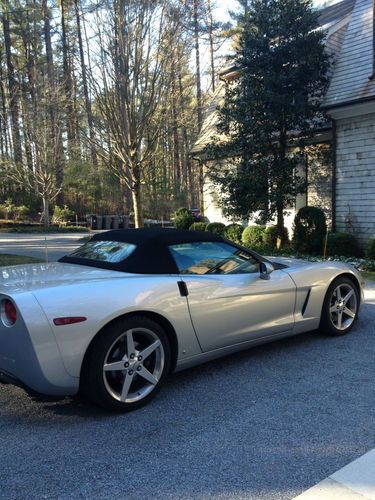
263 424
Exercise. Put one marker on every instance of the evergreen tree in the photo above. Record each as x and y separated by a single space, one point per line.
271 108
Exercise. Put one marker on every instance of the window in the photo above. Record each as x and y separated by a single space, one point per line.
104 251
212 258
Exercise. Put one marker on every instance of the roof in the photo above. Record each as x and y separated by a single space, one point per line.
350 81
151 255
334 19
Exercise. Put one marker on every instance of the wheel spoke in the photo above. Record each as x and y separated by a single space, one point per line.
150 349
348 312
339 320
115 366
125 388
338 293
333 309
130 342
348 295
148 376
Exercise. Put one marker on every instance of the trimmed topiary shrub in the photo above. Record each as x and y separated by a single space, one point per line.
233 232
253 236
183 219
370 250
198 226
344 244
216 227
310 228
273 235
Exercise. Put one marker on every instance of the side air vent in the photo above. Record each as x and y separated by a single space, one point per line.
306 302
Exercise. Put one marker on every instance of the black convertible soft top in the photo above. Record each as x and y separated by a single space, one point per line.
152 255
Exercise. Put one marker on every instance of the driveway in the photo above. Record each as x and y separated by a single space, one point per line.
51 246
267 423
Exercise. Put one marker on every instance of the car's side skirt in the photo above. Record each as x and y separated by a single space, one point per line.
204 357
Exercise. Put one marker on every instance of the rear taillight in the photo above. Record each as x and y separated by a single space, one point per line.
8 312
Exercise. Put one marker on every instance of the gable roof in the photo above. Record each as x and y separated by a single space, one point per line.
334 19
350 81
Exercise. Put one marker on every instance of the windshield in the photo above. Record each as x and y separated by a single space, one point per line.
104 251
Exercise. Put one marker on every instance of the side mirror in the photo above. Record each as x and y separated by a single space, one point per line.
266 268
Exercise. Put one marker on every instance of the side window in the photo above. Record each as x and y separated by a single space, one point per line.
212 258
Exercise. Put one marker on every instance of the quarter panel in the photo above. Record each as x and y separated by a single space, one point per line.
102 301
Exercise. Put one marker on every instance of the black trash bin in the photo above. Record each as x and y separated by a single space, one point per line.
92 221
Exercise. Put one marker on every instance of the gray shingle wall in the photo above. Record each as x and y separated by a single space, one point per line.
355 188
350 80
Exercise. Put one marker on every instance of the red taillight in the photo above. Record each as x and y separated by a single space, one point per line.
8 312
69 320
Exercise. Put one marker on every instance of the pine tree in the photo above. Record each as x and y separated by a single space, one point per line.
272 108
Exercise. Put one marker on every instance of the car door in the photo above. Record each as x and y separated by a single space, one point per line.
228 300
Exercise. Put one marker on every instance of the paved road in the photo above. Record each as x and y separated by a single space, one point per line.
263 424
37 245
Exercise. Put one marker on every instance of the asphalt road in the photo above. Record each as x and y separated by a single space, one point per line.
264 424
53 246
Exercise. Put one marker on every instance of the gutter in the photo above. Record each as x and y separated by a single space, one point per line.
361 100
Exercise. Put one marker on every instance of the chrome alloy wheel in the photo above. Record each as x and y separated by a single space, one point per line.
133 365
343 306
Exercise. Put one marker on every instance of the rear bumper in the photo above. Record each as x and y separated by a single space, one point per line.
29 355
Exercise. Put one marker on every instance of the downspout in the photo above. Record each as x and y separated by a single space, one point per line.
372 76
334 173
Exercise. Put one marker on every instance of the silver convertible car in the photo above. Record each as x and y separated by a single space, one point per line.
115 317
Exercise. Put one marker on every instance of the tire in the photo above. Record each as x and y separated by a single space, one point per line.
340 307
138 351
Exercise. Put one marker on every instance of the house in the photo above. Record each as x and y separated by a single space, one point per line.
340 173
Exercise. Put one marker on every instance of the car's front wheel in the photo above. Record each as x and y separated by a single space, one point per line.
126 364
340 308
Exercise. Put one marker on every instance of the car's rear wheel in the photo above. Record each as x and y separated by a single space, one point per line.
126 364
340 308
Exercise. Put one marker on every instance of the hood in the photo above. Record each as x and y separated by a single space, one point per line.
32 277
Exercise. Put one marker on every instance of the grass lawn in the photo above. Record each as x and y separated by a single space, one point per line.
12 260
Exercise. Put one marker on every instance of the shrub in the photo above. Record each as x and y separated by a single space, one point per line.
344 244
20 212
216 227
233 232
198 226
183 219
370 250
309 230
253 236
62 215
273 235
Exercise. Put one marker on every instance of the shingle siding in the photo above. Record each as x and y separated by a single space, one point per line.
355 174
350 80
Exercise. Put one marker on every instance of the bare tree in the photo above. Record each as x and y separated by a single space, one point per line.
135 50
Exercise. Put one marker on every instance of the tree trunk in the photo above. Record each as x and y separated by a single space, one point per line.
59 167
13 89
88 108
45 212
198 66
68 83
137 196
211 41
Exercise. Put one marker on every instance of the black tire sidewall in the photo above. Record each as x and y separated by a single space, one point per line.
326 325
92 376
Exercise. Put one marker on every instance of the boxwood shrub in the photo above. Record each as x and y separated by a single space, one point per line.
216 227
370 251
198 226
234 232
344 244
253 236
272 234
310 228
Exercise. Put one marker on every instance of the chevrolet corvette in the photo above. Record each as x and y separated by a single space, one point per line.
115 317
